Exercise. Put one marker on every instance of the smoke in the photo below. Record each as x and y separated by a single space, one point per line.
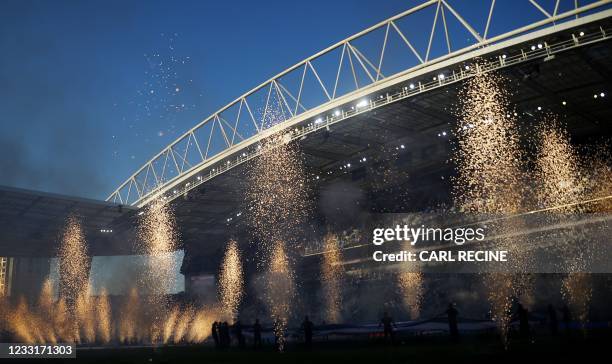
59 160
49 136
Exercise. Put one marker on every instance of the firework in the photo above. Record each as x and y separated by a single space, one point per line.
410 285
277 194
331 278
576 289
561 182
278 201
73 261
158 241
231 280
103 318
127 326
499 293
280 290
487 152
601 177
85 319
488 181
80 317
559 175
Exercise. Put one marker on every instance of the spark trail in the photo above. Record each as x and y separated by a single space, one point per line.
561 182
331 278
231 286
277 197
488 181
280 291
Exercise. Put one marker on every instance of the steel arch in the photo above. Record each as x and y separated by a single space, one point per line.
271 106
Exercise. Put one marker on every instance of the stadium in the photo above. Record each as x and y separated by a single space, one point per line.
276 194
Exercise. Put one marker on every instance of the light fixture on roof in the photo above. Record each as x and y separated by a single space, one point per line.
467 67
564 103
533 48
581 34
412 86
539 45
602 94
318 121
337 113
503 56
362 103
539 108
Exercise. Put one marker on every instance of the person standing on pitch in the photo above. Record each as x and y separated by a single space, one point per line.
257 334
387 323
307 326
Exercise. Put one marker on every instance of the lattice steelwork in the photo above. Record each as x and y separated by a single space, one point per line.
427 34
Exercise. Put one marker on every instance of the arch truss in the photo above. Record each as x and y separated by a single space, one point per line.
429 33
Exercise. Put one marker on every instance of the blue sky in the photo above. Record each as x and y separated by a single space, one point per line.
90 90
73 120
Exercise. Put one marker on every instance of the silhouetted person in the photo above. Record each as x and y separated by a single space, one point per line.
307 326
387 323
523 315
225 336
257 334
552 320
215 333
238 333
567 317
453 327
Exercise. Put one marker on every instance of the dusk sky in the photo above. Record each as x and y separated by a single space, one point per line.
90 90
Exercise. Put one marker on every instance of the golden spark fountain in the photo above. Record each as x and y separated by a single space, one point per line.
561 182
331 278
487 156
231 279
280 291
